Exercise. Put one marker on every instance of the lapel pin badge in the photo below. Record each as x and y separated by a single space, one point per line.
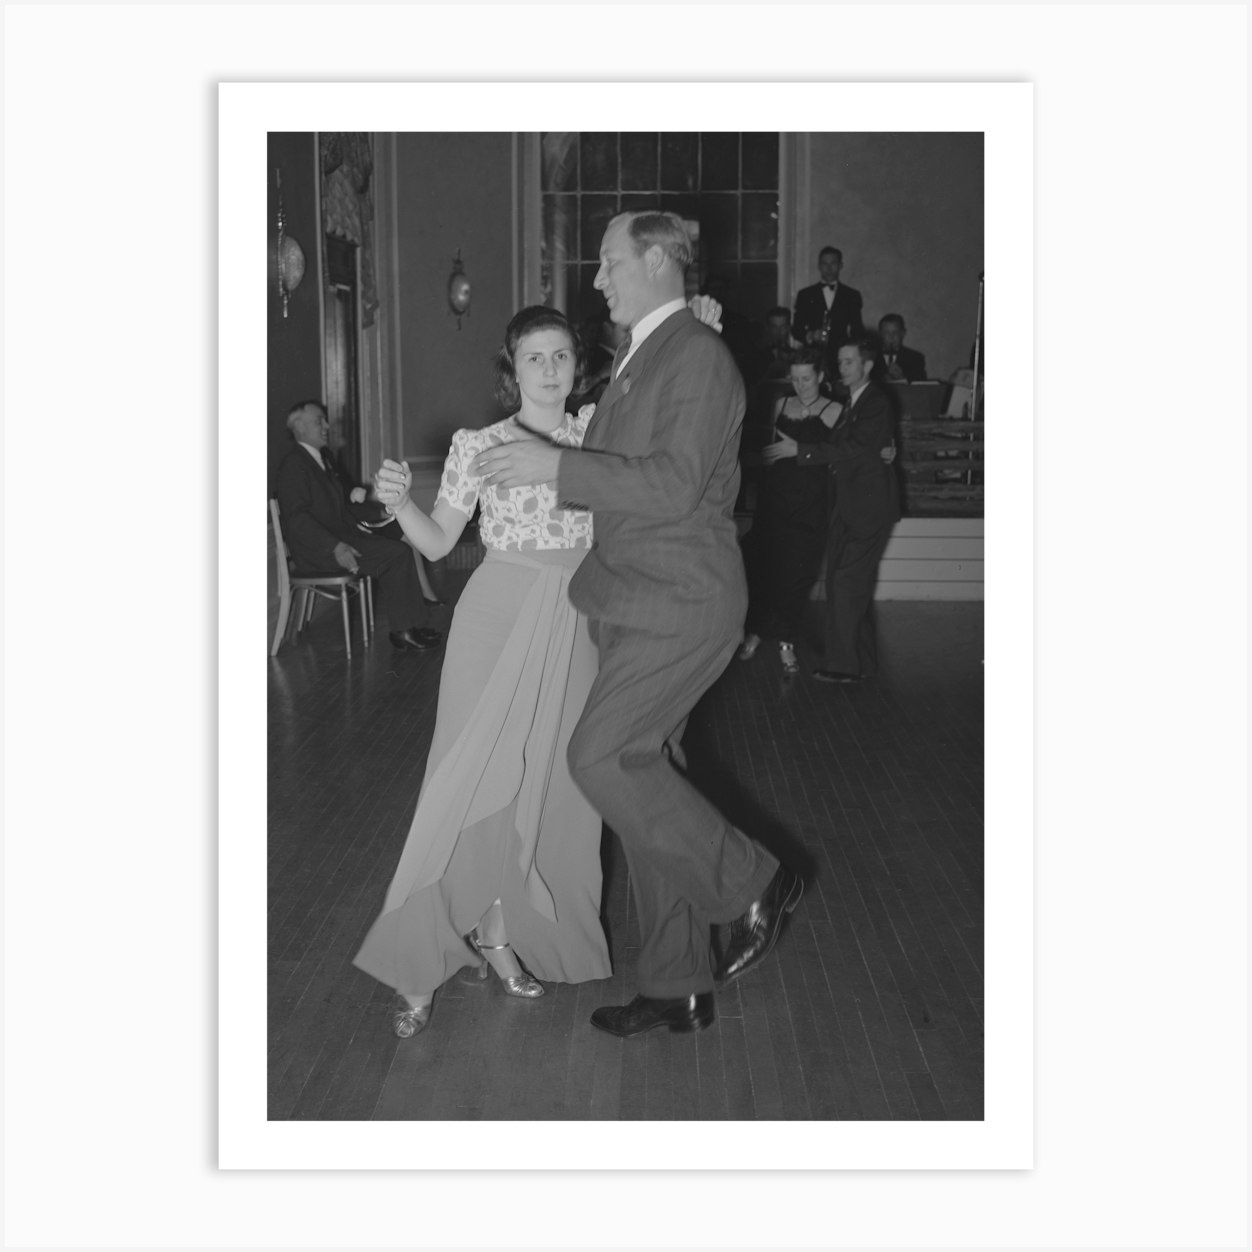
625 385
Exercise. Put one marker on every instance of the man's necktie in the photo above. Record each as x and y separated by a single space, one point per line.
325 454
620 356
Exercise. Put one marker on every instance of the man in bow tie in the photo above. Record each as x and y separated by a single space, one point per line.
828 314
664 593
322 535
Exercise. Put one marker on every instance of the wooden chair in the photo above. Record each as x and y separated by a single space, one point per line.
311 586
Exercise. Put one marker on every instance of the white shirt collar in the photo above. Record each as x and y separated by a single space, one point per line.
647 324
315 453
855 392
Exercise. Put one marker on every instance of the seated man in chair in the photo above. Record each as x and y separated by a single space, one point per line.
323 535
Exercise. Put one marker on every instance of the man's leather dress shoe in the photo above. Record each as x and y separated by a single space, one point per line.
835 676
642 1014
419 639
755 933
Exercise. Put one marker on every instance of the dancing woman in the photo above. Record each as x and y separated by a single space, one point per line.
784 548
501 868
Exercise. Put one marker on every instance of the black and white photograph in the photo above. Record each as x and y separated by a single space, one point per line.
670 810
643 779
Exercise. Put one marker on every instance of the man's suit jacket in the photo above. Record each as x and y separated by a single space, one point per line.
339 472
313 511
845 315
867 495
659 471
912 365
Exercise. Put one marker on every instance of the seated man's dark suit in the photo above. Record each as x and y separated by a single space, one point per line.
315 517
370 516
845 317
866 507
912 365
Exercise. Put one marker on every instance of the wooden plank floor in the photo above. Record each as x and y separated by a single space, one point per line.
870 1008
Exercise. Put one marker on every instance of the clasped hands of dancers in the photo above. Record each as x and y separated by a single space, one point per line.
572 667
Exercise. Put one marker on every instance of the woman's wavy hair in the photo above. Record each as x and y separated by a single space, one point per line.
534 317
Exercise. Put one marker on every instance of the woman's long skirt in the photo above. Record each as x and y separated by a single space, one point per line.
498 816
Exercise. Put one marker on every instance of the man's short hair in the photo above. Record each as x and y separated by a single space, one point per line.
829 251
294 413
665 230
891 317
867 348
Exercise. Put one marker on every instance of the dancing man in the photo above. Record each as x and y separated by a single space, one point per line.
664 593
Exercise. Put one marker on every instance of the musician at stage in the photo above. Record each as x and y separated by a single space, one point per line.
828 314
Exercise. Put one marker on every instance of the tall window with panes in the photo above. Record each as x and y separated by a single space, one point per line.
724 185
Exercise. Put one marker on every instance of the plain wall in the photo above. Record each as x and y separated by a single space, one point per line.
906 210
295 342
454 191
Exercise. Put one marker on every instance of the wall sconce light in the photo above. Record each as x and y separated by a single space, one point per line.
458 290
290 254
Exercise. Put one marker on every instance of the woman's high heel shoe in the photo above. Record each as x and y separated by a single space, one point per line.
408 1021
525 984
787 654
747 650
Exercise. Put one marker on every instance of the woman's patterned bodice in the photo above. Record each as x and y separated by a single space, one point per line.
515 519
